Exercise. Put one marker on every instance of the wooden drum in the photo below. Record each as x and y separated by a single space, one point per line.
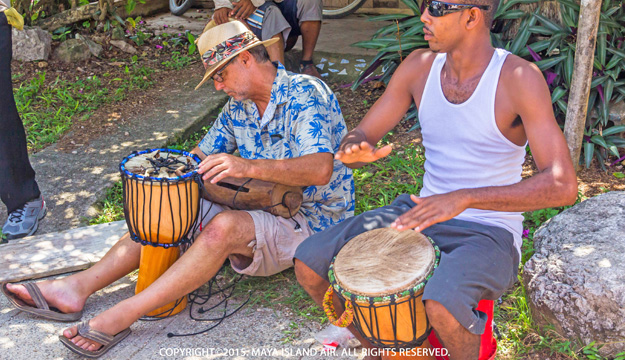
161 204
381 275
254 194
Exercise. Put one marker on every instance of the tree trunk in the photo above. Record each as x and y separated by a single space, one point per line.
582 77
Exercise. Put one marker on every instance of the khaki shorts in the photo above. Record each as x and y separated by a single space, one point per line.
276 239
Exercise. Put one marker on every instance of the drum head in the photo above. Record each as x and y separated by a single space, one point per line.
383 262
160 164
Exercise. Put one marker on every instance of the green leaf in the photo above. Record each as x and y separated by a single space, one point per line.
589 150
557 94
549 63
601 47
412 5
387 17
596 81
568 67
613 130
512 15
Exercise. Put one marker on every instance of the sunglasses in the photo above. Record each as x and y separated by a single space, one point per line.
217 76
438 8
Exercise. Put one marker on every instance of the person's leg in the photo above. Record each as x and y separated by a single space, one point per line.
228 233
477 262
70 293
314 255
272 25
17 178
309 15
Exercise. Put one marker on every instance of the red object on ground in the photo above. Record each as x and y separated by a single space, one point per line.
488 345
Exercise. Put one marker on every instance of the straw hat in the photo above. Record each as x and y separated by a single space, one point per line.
220 43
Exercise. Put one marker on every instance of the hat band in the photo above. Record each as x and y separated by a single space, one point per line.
227 48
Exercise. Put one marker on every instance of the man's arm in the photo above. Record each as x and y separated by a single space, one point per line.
307 170
358 146
554 185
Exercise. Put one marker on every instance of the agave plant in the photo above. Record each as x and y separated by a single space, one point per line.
555 54
404 34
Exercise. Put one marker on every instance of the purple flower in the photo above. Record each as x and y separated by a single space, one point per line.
80 91
141 22
159 47
165 26
526 233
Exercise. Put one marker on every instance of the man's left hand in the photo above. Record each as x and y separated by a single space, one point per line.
431 210
242 9
219 166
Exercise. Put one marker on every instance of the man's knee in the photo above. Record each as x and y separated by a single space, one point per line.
308 278
222 231
438 315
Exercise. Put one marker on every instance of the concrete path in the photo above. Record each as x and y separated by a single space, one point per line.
73 182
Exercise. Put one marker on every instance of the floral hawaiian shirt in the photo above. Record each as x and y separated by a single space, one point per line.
303 117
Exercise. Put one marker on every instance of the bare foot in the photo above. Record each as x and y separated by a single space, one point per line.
61 294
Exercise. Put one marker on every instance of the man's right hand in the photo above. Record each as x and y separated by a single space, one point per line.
361 152
221 15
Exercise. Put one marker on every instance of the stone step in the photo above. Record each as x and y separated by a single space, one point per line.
56 253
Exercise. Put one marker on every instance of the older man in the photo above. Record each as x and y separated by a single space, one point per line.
287 128
478 107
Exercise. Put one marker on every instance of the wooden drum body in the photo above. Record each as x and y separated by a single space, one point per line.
254 194
383 273
160 213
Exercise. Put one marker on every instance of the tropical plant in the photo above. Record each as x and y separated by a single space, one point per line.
554 55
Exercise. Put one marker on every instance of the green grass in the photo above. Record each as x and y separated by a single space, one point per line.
111 208
48 108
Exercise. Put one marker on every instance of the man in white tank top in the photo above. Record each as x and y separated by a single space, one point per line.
478 108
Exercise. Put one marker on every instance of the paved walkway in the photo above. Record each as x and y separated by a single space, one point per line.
72 183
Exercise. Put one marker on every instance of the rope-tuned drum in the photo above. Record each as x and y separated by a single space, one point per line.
381 275
161 204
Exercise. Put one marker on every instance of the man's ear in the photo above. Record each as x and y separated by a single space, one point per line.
473 18
245 57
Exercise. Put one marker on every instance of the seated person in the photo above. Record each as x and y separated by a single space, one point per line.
285 20
478 108
287 128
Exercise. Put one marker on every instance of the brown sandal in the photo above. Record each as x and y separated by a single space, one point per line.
41 308
87 332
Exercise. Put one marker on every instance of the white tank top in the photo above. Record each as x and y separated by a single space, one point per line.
464 147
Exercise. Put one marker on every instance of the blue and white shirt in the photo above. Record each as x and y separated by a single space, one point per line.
303 117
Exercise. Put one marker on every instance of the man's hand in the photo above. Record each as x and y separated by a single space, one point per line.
431 210
220 166
242 9
361 152
221 15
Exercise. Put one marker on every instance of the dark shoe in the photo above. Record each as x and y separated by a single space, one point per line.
25 220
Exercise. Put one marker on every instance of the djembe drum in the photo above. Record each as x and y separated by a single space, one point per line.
381 275
254 194
161 195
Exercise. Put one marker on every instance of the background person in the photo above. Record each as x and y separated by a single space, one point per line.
18 189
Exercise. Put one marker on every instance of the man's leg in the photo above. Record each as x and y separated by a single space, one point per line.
17 177
477 262
460 343
228 233
70 293
276 51
310 34
316 286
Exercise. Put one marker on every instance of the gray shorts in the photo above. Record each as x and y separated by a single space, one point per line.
276 240
477 261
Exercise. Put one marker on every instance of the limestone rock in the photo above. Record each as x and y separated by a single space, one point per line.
95 48
31 44
124 46
617 112
72 50
576 278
